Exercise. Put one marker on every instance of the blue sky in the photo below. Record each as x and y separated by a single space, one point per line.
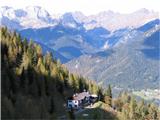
86 6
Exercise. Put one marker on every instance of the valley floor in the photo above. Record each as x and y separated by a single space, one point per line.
152 95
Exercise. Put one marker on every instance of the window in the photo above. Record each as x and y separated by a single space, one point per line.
70 106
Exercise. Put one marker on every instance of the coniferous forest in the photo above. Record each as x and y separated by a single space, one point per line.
36 86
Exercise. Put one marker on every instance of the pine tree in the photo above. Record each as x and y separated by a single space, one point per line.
125 97
153 112
73 82
39 50
41 66
48 59
25 61
125 112
100 94
109 91
25 44
141 111
108 96
80 83
132 106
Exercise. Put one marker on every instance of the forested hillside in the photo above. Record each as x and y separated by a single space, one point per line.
36 86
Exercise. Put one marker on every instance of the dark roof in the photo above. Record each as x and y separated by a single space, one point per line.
81 96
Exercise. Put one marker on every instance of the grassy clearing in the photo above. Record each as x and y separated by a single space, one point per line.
99 110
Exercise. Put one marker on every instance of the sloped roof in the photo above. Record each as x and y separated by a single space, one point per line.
81 96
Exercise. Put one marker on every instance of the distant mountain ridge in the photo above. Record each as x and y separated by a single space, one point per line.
74 34
133 64
37 17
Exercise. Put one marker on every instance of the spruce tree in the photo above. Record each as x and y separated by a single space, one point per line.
108 96
132 106
109 91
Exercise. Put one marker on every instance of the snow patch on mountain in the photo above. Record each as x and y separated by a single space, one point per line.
37 17
29 17
106 45
114 21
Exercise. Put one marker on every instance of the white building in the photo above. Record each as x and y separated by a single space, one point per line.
79 99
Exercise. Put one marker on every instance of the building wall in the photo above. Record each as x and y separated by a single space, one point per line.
73 103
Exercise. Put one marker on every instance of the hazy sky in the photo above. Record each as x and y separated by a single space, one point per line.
86 6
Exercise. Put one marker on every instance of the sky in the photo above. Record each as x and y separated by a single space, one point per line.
87 7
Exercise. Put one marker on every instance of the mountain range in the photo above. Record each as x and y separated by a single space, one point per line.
37 17
132 64
111 48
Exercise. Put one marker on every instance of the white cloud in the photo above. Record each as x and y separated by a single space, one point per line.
85 6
